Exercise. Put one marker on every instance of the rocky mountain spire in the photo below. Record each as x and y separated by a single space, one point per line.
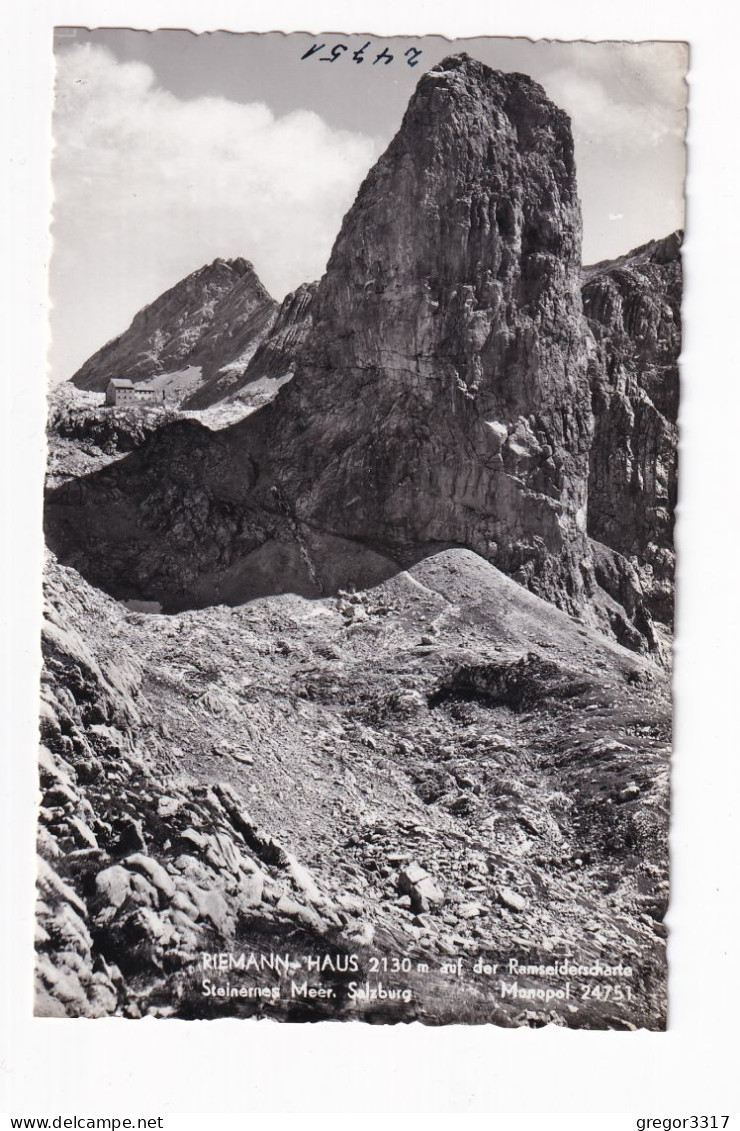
445 398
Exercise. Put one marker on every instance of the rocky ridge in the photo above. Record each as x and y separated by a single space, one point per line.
633 308
274 360
212 320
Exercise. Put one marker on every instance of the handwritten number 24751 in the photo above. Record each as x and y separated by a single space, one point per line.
385 57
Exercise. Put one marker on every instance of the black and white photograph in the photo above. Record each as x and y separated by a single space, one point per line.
359 512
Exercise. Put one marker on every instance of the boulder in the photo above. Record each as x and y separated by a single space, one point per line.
415 882
158 875
512 899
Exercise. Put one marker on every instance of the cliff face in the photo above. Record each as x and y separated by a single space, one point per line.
215 318
633 307
443 396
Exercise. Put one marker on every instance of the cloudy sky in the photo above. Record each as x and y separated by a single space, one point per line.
172 149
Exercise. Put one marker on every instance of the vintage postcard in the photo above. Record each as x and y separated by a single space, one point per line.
362 472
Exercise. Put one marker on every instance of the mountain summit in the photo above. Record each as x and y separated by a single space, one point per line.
445 396
213 319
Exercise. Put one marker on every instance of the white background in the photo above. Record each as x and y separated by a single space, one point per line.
155 1067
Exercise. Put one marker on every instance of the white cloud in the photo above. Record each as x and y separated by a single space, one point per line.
627 104
628 99
149 187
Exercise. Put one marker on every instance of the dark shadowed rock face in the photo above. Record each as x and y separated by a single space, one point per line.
214 318
276 356
633 308
444 393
